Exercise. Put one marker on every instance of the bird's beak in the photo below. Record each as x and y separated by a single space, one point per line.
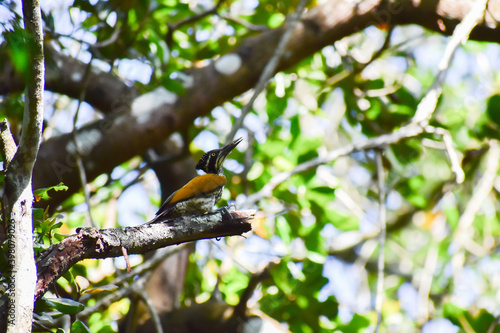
229 147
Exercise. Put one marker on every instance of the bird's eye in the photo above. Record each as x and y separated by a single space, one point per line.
213 154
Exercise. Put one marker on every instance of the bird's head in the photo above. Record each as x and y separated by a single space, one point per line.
211 162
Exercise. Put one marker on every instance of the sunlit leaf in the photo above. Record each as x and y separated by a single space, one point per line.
42 193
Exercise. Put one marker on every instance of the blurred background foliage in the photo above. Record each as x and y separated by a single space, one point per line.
319 227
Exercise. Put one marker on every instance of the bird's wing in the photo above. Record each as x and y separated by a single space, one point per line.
167 205
198 186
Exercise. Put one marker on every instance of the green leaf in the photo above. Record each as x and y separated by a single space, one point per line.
452 215
97 290
276 20
417 200
281 277
416 183
44 305
493 109
374 111
44 318
79 327
483 320
255 171
357 324
38 216
295 128
282 164
273 148
453 313
42 193
406 152
67 306
59 237
283 229
330 307
233 283
401 109
462 318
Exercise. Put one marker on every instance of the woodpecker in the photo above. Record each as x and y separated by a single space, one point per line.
200 195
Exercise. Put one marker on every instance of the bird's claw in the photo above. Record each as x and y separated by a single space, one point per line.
226 210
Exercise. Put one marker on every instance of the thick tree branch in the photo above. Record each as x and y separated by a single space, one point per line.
17 201
107 243
64 75
438 14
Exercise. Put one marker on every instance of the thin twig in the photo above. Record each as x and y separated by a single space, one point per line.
405 132
127 261
247 25
482 190
78 153
152 311
142 270
461 33
462 235
107 300
385 46
426 281
456 168
188 20
381 240
493 325
270 68
151 263
196 17
248 161
112 39
241 308
334 80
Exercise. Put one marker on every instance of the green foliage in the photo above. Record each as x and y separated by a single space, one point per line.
18 53
296 301
325 102
46 227
233 284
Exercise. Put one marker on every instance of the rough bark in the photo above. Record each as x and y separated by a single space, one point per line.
107 243
64 75
18 198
